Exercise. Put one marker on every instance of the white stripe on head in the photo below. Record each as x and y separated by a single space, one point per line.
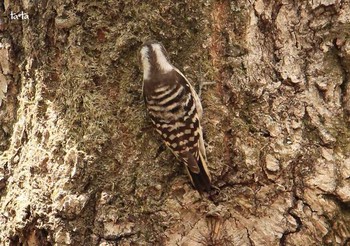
162 61
145 62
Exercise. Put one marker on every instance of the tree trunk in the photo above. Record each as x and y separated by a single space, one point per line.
78 157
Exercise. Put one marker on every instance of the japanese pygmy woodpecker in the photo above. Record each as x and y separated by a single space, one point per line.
175 111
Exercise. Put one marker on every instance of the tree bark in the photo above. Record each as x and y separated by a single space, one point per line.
78 158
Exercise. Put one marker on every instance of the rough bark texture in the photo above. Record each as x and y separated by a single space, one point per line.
78 162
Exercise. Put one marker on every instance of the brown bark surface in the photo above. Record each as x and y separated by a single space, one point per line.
78 156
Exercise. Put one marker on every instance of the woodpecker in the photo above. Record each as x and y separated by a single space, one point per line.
175 111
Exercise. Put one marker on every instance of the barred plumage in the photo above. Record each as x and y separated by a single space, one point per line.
175 111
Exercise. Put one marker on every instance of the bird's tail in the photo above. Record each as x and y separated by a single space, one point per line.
200 176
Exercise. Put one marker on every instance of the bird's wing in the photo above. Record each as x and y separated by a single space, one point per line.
198 103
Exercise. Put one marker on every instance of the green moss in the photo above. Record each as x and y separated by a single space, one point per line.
341 132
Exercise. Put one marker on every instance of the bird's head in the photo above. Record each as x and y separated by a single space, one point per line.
154 59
